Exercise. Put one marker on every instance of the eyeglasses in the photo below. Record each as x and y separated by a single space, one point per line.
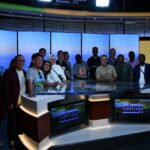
39 74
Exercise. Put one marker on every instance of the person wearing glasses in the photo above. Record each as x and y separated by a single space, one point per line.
14 85
47 70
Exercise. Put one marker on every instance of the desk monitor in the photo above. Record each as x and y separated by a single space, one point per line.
130 109
70 113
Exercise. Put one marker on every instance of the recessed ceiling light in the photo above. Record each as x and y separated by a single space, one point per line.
102 3
45 0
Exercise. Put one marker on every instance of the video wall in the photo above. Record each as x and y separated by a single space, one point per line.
27 43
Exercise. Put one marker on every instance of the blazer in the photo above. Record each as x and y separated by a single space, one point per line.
11 87
136 73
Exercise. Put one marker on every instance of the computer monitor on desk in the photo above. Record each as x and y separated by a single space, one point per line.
130 108
67 114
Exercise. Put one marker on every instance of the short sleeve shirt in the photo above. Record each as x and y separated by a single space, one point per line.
124 71
106 73
80 70
38 79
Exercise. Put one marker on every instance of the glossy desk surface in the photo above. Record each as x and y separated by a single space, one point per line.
93 87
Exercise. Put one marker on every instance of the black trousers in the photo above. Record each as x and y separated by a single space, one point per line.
13 126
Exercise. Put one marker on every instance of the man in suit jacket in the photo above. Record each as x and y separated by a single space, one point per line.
141 72
14 85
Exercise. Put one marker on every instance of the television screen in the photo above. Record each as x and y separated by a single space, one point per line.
132 109
67 116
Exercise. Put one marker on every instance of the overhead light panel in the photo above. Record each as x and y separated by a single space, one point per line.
45 1
102 3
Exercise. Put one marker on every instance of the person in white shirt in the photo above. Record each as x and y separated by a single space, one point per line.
57 74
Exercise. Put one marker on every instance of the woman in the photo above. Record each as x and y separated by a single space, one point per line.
47 73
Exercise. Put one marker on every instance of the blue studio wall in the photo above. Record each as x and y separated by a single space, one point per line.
27 43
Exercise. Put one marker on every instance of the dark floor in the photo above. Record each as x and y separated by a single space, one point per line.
3 137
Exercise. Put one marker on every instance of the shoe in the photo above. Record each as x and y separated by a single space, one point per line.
1 144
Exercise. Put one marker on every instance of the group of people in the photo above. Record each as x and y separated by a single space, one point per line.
109 69
50 73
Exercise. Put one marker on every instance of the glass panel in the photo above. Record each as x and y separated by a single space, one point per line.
70 42
8 48
123 43
31 42
94 40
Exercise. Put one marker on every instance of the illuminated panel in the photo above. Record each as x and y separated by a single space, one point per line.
31 42
8 47
91 40
123 43
102 3
144 49
99 98
45 1
70 42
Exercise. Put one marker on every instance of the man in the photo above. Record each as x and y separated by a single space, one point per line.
14 85
132 61
105 72
93 62
112 60
57 72
124 70
66 59
35 78
60 61
141 72
42 52
80 68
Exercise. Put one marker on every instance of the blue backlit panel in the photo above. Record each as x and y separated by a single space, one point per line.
8 47
123 43
70 42
31 42
94 40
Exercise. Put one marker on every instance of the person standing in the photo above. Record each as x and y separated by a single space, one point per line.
141 72
35 77
132 61
60 61
93 62
56 71
124 70
105 72
112 60
80 68
15 82
42 52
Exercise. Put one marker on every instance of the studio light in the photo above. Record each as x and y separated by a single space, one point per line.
102 3
45 0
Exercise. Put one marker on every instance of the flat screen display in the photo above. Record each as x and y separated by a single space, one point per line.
131 109
67 116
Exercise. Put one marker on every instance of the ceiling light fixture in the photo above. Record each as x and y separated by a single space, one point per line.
45 1
102 3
